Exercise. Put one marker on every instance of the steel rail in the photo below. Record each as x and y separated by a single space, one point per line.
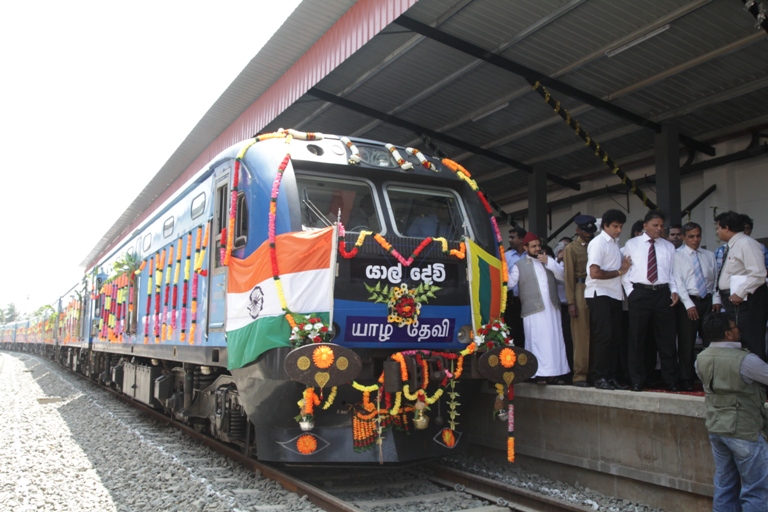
315 495
499 492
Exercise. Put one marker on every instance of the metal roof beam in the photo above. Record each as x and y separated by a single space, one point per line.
595 55
534 76
386 62
528 31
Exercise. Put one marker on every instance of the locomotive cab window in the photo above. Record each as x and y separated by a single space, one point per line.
429 212
324 200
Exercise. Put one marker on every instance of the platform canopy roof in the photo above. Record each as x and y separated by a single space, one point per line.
461 72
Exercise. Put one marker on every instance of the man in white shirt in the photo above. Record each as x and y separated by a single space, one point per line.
694 273
603 292
741 281
652 294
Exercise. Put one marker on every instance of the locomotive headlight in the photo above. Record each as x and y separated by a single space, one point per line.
465 334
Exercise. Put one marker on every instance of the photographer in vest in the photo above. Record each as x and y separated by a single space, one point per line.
736 419
535 275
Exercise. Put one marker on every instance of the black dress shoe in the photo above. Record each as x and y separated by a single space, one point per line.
617 385
603 384
636 387
582 384
685 385
673 388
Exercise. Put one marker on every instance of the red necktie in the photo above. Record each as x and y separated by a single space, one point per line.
653 273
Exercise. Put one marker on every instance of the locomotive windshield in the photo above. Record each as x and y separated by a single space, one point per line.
426 212
324 199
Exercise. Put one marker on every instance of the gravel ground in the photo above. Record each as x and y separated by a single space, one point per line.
90 452
533 482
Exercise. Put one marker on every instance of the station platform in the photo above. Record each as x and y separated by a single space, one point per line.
649 446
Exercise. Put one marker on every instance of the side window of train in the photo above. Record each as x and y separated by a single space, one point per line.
147 243
426 212
241 222
168 227
323 200
198 206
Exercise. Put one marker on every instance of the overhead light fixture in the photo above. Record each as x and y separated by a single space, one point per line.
644 37
489 112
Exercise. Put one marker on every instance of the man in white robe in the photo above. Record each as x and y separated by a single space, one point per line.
536 274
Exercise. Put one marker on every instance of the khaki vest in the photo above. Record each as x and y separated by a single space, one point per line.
734 408
528 284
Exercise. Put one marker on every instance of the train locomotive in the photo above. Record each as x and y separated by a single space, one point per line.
311 298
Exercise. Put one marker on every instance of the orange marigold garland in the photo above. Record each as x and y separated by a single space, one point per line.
306 444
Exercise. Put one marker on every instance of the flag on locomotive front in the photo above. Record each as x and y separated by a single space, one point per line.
255 317
486 280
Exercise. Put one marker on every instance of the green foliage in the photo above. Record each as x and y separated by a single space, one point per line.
10 313
127 264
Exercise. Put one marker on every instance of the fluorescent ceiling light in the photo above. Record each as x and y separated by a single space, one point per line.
490 111
644 37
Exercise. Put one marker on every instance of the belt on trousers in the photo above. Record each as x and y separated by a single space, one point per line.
661 286
582 280
697 297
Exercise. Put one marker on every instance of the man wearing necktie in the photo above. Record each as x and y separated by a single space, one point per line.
652 295
694 273
741 281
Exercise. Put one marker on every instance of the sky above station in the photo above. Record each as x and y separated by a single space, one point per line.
95 98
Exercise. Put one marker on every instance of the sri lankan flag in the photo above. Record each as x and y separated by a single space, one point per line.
486 282
255 317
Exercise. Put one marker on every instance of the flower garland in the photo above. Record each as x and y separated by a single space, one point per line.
457 253
167 293
331 398
185 291
465 176
309 329
307 405
354 158
422 159
402 162
175 298
421 396
149 299
193 309
159 263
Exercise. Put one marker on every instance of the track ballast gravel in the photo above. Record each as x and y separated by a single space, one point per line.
91 452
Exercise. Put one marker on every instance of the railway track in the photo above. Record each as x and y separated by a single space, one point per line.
416 487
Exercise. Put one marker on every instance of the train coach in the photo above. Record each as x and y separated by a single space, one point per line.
311 298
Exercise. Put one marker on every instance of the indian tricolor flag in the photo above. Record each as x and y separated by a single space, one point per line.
255 318
485 283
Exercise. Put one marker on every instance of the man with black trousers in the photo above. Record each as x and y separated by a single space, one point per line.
741 281
513 315
694 271
652 295
603 292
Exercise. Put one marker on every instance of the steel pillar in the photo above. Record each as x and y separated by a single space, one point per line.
668 173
